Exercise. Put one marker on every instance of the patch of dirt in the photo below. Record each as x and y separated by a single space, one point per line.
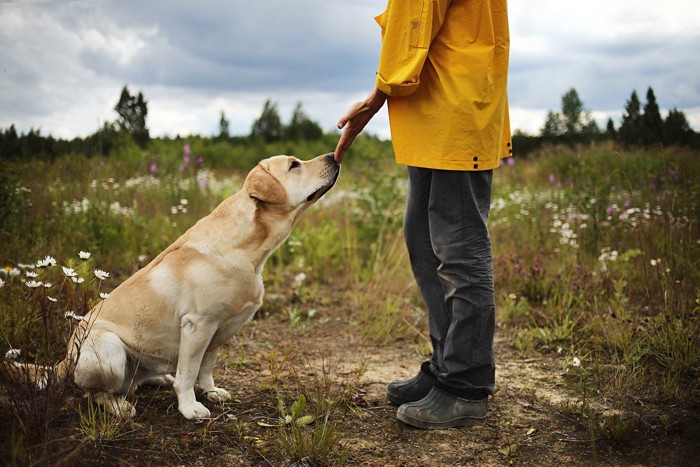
526 426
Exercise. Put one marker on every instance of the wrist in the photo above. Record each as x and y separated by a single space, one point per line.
377 98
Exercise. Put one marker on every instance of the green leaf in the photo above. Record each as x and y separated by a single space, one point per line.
305 420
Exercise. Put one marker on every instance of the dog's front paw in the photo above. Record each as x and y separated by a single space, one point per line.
195 410
217 395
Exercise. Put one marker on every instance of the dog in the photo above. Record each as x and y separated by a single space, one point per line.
173 315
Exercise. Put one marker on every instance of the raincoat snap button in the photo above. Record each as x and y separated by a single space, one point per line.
476 158
476 166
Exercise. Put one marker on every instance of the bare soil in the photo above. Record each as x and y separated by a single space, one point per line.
528 421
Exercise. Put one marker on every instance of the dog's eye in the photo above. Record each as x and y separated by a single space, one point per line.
294 165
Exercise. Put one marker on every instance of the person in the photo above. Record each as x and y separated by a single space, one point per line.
443 69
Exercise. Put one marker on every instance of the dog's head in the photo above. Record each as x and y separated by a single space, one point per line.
288 183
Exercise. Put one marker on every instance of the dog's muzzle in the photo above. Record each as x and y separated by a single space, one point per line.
331 170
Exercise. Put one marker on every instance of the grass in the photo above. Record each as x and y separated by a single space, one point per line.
596 256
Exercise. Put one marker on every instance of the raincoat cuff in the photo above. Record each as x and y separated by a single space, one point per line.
393 90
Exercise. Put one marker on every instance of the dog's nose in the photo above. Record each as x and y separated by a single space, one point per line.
330 157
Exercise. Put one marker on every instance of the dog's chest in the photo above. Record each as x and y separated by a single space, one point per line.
240 316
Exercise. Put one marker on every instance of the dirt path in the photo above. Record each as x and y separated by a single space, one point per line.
526 424
324 358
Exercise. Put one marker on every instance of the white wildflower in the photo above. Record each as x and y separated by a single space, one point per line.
142 258
78 280
31 274
576 362
33 284
71 314
101 275
655 262
47 285
69 272
12 354
46 262
298 280
183 202
51 299
14 272
2 283
84 254
104 295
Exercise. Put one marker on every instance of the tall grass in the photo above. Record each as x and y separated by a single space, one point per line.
596 251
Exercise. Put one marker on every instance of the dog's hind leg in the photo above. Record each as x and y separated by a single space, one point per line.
116 405
101 370
165 381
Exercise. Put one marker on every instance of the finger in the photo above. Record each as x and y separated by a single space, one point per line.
341 149
344 144
339 153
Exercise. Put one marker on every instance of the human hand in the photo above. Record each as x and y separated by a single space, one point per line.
355 120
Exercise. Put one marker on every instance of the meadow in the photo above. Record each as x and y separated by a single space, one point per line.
596 257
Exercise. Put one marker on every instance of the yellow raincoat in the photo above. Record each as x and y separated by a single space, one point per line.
444 65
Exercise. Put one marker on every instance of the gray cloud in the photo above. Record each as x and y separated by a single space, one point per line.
62 64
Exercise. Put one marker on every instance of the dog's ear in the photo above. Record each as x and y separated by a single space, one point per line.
260 184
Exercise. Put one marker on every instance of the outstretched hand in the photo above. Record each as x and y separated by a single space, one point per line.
355 120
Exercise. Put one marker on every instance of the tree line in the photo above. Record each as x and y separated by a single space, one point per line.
131 126
641 125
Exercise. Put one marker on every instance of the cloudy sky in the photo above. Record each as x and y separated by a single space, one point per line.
63 62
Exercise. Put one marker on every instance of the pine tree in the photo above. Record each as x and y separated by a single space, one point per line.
677 128
652 124
630 132
572 114
132 112
269 125
553 127
223 127
610 131
301 127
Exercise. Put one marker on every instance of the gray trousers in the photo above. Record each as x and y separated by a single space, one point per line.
450 251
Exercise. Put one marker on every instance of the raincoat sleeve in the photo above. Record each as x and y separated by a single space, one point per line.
408 28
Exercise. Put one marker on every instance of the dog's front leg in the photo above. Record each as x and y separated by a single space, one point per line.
195 335
206 379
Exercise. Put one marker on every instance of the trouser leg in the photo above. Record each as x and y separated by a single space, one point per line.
423 260
461 310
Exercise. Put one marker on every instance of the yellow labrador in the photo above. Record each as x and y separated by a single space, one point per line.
175 313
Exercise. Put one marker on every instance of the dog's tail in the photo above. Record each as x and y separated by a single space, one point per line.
38 375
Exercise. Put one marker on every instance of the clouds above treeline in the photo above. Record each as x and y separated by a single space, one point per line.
63 63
